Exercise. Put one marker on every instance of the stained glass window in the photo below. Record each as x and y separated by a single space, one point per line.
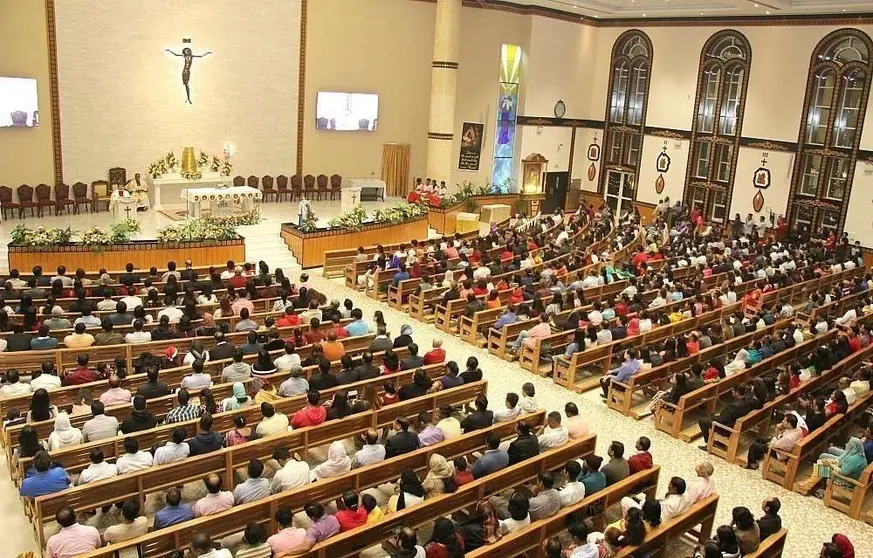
507 105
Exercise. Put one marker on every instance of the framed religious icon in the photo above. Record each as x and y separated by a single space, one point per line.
662 163
594 152
762 178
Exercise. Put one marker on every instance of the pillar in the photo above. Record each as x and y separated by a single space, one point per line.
443 87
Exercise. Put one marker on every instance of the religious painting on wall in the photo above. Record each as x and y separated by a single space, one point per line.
507 106
471 146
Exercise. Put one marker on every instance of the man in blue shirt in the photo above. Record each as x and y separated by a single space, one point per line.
492 460
174 512
47 479
623 373
508 317
592 477
359 326
401 275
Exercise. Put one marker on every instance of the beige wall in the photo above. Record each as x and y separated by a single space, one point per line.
26 155
373 46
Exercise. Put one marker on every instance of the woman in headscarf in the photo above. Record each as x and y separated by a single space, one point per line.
409 492
444 542
64 435
239 398
449 278
405 337
40 407
439 475
851 461
481 529
266 393
337 463
844 544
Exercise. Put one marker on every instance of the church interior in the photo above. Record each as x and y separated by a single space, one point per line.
578 278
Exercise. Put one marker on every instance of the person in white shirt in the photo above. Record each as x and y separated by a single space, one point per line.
555 434
293 472
595 317
138 335
659 300
450 425
272 422
510 411
131 300
133 459
88 319
98 469
45 378
229 272
573 491
850 315
672 505
372 452
203 547
173 313
107 304
289 359
13 385
703 486
198 379
175 450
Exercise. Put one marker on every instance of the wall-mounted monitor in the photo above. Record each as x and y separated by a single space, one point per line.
349 112
19 105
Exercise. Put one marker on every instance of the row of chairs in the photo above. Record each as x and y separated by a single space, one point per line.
279 189
61 202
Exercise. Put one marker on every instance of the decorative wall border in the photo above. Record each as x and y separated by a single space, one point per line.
54 89
768 144
440 136
444 64
301 84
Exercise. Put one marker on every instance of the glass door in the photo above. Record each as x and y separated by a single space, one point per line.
620 192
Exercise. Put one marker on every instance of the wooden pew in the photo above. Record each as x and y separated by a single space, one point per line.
422 305
139 484
701 513
159 543
397 296
771 547
530 539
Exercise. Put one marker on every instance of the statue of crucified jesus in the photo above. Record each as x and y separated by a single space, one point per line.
189 57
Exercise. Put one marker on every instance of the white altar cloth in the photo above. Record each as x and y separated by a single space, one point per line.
169 187
235 197
371 188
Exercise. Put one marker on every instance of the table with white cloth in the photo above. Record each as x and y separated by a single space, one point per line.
372 189
165 189
221 201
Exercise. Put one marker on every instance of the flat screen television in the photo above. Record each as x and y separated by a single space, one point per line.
19 105
349 112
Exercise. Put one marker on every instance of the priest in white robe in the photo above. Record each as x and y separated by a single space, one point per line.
140 192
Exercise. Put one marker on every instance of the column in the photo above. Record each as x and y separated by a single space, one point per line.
444 79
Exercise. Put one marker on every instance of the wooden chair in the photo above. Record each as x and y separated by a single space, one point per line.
44 199
252 182
25 200
117 175
322 186
239 181
282 190
309 185
80 197
6 203
296 187
99 194
336 184
267 183
62 198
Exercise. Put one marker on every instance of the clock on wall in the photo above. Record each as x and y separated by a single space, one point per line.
560 109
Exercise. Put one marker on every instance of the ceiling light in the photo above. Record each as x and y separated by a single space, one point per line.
644 15
767 12
756 5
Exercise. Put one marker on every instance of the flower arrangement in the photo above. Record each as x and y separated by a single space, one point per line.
351 221
467 190
310 222
198 230
40 236
96 238
358 217
167 164
123 231
250 218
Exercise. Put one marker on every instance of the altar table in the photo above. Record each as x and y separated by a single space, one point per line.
371 188
238 199
169 187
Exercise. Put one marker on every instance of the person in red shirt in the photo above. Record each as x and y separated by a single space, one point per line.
81 375
314 335
389 395
435 355
462 473
290 319
312 415
692 344
352 514
642 460
854 340
238 281
340 331
621 308
639 258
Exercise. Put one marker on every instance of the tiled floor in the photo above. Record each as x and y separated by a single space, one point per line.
809 522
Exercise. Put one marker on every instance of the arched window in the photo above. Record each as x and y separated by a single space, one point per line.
625 120
833 115
715 133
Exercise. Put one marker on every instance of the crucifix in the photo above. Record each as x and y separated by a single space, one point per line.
354 198
127 210
188 56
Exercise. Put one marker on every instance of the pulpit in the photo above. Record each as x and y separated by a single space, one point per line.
351 196
123 208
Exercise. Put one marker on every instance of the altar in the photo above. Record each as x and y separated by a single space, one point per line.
229 201
168 188
371 189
